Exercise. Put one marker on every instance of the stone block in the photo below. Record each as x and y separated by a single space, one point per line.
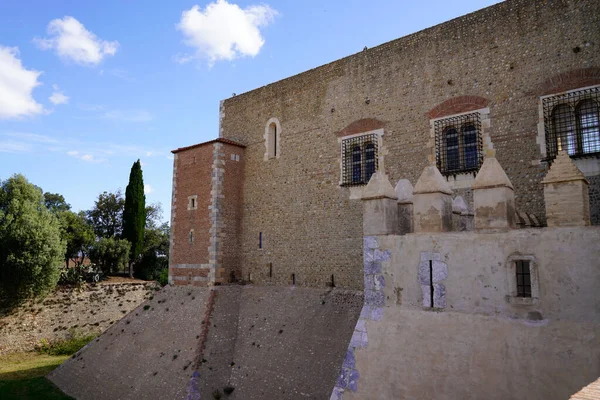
493 197
432 202
566 194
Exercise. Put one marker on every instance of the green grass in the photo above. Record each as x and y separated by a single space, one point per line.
68 346
22 376
28 365
38 388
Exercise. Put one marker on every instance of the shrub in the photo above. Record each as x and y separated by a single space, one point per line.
79 274
155 255
71 276
163 277
111 254
71 345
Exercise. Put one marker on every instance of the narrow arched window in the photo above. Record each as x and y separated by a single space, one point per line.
588 126
272 140
452 149
470 148
369 161
356 165
563 129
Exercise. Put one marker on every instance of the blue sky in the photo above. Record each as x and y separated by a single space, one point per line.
88 87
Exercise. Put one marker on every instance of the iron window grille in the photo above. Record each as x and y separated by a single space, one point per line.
458 144
523 278
573 120
359 159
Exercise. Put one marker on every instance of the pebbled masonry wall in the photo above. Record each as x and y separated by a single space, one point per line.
504 57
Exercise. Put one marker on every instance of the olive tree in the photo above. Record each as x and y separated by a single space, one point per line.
31 248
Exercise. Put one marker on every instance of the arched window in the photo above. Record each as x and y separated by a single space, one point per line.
588 126
572 122
563 128
469 134
458 144
356 165
369 161
452 149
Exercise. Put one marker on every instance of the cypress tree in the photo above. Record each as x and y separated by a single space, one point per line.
134 214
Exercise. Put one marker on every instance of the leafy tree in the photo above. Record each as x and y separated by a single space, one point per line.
56 202
31 249
110 254
155 257
106 217
78 234
154 214
134 214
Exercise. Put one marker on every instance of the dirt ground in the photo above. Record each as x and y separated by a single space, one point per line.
91 309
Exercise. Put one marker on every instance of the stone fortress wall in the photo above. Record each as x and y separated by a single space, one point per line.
500 60
455 308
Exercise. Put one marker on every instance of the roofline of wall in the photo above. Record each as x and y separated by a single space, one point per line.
407 38
219 140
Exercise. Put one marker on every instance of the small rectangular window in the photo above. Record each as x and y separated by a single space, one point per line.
523 278
192 202
260 240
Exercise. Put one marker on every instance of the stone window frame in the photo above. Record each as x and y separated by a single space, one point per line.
588 164
378 153
511 279
191 237
192 202
463 180
272 139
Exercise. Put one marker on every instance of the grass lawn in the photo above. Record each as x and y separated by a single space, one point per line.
22 376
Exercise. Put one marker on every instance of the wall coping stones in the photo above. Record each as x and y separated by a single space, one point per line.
563 169
459 205
379 187
432 181
404 191
491 175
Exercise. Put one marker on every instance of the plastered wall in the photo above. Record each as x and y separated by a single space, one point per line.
478 341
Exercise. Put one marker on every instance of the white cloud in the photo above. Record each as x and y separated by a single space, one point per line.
85 157
16 85
58 97
31 137
11 146
73 42
148 189
90 107
224 31
129 116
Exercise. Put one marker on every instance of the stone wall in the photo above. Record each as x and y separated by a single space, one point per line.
478 341
89 310
503 57
233 157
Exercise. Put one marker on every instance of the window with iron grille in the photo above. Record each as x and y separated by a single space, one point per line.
571 122
458 144
523 278
359 159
